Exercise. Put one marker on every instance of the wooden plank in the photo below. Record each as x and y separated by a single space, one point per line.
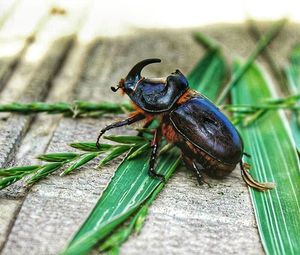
41 131
193 218
17 34
30 82
8 209
6 9
46 55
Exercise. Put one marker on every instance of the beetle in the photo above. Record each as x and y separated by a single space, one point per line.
208 141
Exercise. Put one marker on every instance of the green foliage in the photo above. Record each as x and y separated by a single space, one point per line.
263 42
69 161
273 158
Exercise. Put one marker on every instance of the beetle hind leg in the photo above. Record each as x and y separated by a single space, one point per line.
191 164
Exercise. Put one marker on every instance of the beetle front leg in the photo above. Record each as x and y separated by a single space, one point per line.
130 120
152 163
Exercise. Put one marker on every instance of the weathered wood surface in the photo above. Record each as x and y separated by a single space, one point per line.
186 218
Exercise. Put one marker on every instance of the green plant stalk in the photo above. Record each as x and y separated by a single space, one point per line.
207 42
263 42
254 30
55 161
274 158
73 109
131 177
247 113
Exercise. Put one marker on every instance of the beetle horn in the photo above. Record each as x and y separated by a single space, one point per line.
135 72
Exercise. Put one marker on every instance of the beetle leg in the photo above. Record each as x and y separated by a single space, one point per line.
121 123
191 164
152 163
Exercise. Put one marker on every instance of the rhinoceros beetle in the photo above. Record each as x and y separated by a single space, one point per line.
208 141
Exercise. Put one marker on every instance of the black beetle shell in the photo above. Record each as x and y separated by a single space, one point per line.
199 121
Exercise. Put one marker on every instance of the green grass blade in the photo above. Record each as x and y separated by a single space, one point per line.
139 151
44 171
126 139
58 157
81 161
131 185
263 42
292 72
6 181
208 74
4 172
275 159
116 152
88 146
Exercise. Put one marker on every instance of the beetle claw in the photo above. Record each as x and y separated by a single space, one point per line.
98 139
114 89
247 154
201 181
161 177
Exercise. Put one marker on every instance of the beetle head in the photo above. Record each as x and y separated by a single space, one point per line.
134 76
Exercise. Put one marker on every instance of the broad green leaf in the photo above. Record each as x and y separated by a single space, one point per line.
273 158
207 74
128 190
292 72
131 185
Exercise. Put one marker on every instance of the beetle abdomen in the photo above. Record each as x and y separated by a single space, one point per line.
201 123
210 165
